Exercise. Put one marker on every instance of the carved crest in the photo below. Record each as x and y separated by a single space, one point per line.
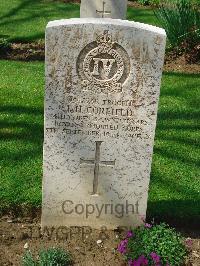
103 65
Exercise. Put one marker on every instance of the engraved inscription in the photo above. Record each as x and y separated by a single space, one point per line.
102 89
107 64
103 12
101 118
103 66
96 162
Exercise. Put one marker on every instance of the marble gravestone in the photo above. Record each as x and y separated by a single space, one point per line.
103 9
102 90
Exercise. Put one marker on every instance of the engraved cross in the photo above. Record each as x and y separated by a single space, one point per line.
96 162
103 12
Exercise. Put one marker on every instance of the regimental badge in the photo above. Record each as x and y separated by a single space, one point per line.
103 65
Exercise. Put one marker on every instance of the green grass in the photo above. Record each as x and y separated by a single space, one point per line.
164 1
143 15
174 188
25 20
21 94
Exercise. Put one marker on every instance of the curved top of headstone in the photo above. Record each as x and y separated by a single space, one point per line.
107 21
102 89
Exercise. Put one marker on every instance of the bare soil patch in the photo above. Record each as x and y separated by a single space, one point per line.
137 5
80 242
25 52
179 64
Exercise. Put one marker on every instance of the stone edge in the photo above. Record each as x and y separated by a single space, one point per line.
106 21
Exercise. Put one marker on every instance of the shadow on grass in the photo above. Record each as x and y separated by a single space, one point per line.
12 109
176 148
33 12
16 9
22 137
28 131
184 211
25 134
178 213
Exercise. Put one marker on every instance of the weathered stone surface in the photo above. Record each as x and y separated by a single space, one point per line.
102 90
103 9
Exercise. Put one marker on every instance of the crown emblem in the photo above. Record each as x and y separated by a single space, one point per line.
104 41
103 65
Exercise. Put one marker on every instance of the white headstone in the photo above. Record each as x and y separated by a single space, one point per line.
103 9
102 91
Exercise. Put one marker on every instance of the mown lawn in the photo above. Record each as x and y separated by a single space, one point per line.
25 20
175 185
174 188
21 94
